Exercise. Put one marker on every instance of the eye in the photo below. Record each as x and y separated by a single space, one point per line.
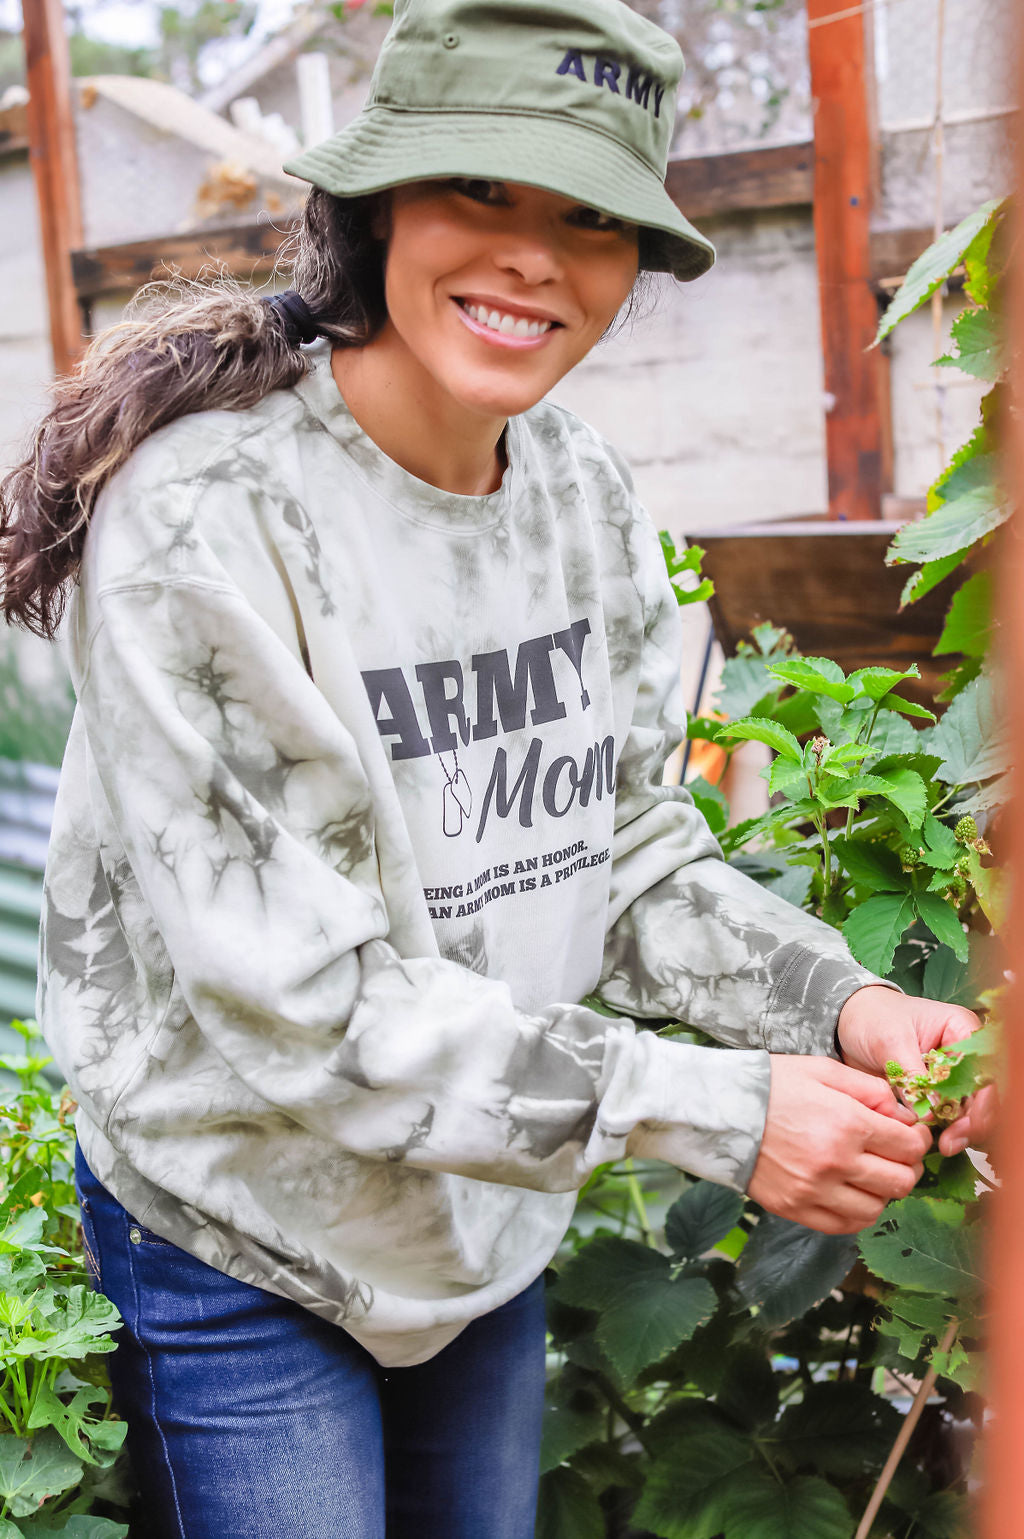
479 189
594 219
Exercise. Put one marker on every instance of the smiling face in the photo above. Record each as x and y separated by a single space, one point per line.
496 290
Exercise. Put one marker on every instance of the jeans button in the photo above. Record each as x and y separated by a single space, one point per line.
135 1235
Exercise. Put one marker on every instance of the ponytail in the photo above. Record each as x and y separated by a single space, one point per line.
201 347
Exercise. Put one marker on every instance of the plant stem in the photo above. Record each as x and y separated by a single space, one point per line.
637 1199
826 874
910 1421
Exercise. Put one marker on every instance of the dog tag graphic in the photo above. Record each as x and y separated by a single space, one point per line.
453 817
463 795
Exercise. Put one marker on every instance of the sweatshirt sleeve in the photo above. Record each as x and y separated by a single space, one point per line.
689 937
246 815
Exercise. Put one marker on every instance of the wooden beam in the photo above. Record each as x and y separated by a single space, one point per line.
13 130
720 184
842 212
51 133
245 250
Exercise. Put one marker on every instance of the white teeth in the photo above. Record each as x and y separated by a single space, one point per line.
508 325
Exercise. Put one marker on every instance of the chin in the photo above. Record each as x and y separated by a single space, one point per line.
501 398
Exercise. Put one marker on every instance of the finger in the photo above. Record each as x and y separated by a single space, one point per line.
887 1179
893 1140
960 1023
873 1091
830 1221
976 1127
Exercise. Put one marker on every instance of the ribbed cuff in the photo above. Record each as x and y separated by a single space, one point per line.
802 1015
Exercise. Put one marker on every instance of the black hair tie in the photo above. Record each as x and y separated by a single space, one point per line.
297 320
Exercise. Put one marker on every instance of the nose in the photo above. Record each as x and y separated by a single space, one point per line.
532 253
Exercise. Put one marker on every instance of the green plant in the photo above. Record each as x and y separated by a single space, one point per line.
59 1443
716 1372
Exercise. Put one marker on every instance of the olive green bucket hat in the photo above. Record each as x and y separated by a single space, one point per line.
574 96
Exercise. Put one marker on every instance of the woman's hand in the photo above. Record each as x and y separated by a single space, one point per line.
877 1024
837 1146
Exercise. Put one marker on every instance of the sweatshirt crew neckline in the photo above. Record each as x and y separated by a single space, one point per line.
415 500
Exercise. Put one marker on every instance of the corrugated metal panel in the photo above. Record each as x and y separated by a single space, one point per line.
26 813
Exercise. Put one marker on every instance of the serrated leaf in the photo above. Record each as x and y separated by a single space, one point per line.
977 504
871 865
818 675
905 789
876 682
922 1244
761 1508
969 620
565 1431
934 266
761 729
567 1507
873 929
688 1498
701 1217
978 335
30 1472
786 777
941 842
992 884
915 1319
710 801
786 1269
745 683
928 576
839 1429
971 737
748 1392
906 708
941 919
892 734
644 1311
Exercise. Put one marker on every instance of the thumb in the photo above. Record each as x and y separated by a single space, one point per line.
873 1092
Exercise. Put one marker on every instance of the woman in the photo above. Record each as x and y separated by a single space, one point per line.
377 671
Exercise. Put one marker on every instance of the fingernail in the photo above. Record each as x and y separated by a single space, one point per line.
958 1145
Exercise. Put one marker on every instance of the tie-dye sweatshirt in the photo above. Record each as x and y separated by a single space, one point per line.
363 794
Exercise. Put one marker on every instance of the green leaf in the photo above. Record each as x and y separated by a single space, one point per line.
942 846
978 335
839 1429
688 1497
818 675
915 1319
906 708
941 919
761 729
30 1472
969 620
760 1507
77 1424
976 504
565 1431
709 801
874 683
905 789
78 1526
923 1244
928 576
701 1217
871 865
934 266
748 1391
73 1326
971 738
874 928
567 1508
786 1269
644 1311
745 683
786 777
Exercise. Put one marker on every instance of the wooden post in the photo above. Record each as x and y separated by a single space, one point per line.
843 175
1005 1435
51 134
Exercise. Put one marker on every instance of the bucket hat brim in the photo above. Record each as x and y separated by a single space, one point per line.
386 146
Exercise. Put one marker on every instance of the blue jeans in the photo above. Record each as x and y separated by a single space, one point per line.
251 1418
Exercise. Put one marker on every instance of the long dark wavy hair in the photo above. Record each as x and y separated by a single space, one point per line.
186 346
